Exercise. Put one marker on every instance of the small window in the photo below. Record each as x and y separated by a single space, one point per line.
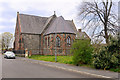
45 41
48 41
58 41
68 40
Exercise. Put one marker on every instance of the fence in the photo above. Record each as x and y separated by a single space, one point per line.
19 52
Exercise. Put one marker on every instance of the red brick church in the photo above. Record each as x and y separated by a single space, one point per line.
45 35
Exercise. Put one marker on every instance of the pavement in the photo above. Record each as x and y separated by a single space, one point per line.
77 69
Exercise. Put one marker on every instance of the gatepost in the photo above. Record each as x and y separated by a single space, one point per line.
26 52
30 53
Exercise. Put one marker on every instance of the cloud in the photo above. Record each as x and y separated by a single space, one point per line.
2 27
13 20
9 8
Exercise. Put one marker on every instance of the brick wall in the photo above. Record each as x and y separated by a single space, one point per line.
64 49
17 37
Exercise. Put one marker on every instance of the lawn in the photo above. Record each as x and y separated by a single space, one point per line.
60 59
63 59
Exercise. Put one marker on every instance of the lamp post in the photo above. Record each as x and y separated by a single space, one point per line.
55 40
55 49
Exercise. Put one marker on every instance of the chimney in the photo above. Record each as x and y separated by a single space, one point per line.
79 30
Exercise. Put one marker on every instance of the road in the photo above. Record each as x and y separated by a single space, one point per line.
16 68
0 66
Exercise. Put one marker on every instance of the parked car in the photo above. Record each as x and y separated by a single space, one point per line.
9 54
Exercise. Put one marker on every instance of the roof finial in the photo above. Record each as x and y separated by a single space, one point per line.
18 12
54 13
72 20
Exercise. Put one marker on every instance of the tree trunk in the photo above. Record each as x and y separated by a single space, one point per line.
106 35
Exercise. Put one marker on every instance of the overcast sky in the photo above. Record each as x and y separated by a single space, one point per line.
9 8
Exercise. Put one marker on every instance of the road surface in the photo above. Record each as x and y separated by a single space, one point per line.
16 68
0 66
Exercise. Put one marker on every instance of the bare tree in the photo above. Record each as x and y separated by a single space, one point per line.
7 38
99 17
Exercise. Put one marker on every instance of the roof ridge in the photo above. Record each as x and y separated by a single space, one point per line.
59 25
32 15
47 22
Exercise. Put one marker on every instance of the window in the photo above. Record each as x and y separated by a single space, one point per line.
45 41
68 40
58 41
48 41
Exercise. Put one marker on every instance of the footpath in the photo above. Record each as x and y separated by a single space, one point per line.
78 69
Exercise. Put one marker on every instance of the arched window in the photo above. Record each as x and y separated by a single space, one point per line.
58 41
48 41
68 40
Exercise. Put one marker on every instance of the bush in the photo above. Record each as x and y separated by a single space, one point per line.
109 56
82 52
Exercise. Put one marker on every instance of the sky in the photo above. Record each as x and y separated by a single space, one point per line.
9 8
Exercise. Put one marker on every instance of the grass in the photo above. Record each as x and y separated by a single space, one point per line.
115 70
60 59
65 60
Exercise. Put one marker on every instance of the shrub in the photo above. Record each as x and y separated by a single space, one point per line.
109 56
82 52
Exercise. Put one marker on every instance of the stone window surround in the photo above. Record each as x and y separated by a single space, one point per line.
68 40
58 41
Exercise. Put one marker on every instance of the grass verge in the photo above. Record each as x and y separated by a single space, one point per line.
63 59
60 59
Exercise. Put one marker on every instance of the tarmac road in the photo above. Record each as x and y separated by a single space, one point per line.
16 68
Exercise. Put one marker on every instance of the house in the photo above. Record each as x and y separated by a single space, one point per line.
45 35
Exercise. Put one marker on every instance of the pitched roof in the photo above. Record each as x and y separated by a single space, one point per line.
71 23
47 25
32 24
59 25
82 35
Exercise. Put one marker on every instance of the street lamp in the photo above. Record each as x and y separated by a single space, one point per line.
55 49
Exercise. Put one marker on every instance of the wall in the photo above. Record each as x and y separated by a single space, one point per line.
50 49
31 42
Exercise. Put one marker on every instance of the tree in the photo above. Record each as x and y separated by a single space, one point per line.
100 17
7 38
82 52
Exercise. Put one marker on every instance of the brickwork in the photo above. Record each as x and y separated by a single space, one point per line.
40 41
17 34
64 49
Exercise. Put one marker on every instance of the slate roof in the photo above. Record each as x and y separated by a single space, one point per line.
82 35
59 25
47 25
32 24
70 22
